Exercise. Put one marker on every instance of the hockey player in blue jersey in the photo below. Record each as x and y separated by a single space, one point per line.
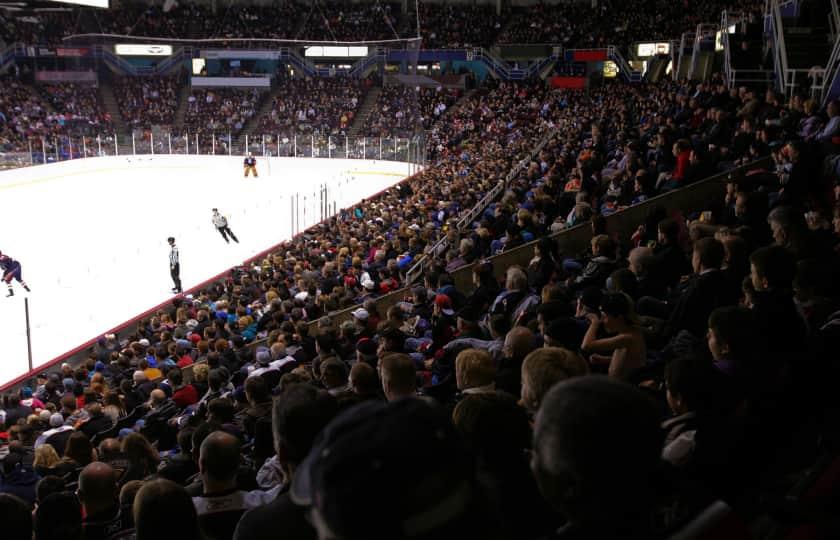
250 165
11 270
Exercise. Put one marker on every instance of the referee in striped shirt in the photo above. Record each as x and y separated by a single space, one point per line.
174 265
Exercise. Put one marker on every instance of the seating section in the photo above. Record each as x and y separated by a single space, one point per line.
220 110
79 108
314 106
626 308
147 101
340 21
401 111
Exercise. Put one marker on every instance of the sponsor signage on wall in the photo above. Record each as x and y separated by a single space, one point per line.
65 76
137 49
72 52
91 3
237 82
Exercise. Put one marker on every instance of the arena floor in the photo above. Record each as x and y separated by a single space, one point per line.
91 234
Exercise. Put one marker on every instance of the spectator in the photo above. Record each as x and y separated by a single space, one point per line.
17 518
298 417
543 368
99 496
625 351
475 372
364 382
155 505
221 504
601 493
502 470
398 376
142 458
96 422
59 517
385 495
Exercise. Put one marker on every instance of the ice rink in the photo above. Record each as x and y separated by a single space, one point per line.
91 234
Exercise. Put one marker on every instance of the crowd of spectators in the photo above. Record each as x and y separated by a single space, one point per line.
401 111
78 108
445 26
220 110
703 345
147 101
318 106
572 24
28 114
341 21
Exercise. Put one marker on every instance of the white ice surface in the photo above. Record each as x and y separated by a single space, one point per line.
91 234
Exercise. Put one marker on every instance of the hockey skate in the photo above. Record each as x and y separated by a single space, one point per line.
26 288
10 293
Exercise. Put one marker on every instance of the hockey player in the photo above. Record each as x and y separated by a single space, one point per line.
222 226
250 165
11 270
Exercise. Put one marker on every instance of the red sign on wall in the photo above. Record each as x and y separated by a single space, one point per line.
72 52
576 83
590 55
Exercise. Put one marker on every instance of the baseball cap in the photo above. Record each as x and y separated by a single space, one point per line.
361 472
56 420
361 314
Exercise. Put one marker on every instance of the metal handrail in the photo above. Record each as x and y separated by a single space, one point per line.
779 45
439 247
831 69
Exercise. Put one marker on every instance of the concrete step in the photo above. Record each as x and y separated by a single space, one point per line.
364 111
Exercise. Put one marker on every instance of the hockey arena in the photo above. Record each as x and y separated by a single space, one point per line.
91 233
419 269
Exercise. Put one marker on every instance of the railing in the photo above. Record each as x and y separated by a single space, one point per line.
175 61
727 20
377 55
7 55
786 78
41 150
623 67
439 248
704 33
685 39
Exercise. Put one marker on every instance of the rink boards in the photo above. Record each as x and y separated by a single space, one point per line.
91 234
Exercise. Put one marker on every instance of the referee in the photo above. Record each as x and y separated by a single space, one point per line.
174 265
222 226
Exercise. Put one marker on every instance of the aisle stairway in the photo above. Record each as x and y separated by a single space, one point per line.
181 111
109 102
364 111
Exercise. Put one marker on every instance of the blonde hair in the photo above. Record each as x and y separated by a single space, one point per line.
473 368
543 368
45 456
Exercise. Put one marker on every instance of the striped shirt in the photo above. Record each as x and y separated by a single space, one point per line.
173 256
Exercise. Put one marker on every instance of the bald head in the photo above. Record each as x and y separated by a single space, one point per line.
158 396
98 487
640 260
219 458
109 449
